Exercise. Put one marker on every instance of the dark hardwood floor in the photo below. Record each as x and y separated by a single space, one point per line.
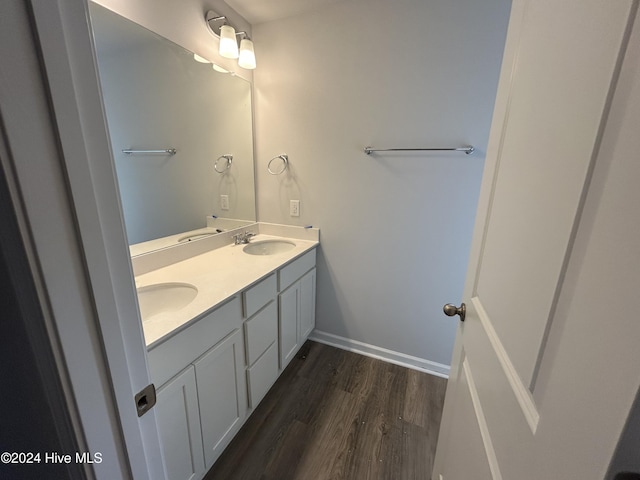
333 414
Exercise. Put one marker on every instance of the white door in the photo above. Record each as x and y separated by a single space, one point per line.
545 366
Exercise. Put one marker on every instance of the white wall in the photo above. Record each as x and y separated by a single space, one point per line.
395 229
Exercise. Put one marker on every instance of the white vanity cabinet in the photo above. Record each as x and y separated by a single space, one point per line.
297 305
178 418
216 370
261 338
289 304
307 304
222 394
202 402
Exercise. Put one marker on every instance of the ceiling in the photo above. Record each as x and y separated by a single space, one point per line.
259 11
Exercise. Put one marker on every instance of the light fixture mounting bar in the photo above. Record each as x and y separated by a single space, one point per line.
215 21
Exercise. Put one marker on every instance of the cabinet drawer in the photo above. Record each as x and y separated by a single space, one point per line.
259 295
261 331
263 375
168 358
292 272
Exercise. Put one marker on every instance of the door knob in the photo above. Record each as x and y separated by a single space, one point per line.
451 310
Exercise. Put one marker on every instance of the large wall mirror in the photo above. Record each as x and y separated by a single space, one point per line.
157 97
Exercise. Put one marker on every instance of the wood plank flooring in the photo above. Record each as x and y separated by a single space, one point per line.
333 414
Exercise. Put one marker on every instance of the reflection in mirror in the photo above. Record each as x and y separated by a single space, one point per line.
158 97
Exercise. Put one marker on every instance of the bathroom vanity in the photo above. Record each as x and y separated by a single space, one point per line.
221 320
240 314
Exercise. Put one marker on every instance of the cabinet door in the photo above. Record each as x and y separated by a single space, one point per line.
222 394
179 426
262 375
289 303
307 305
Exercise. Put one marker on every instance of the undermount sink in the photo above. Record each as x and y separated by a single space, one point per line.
164 298
268 247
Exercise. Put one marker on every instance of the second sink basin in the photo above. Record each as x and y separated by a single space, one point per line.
164 298
268 247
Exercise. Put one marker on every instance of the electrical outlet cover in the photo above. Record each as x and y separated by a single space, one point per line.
294 208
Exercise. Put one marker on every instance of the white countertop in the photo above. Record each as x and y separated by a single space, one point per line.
218 275
214 227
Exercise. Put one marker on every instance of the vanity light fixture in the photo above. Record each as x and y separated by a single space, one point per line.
219 69
228 42
216 67
220 27
247 55
200 59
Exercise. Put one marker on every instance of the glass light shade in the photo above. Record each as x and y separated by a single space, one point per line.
200 59
247 55
228 42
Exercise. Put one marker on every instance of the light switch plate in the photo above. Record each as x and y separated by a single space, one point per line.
224 202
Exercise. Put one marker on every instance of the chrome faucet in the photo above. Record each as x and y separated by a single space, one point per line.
244 237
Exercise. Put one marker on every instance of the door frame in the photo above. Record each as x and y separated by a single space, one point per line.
63 184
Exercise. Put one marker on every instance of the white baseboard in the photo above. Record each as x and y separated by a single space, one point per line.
397 358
